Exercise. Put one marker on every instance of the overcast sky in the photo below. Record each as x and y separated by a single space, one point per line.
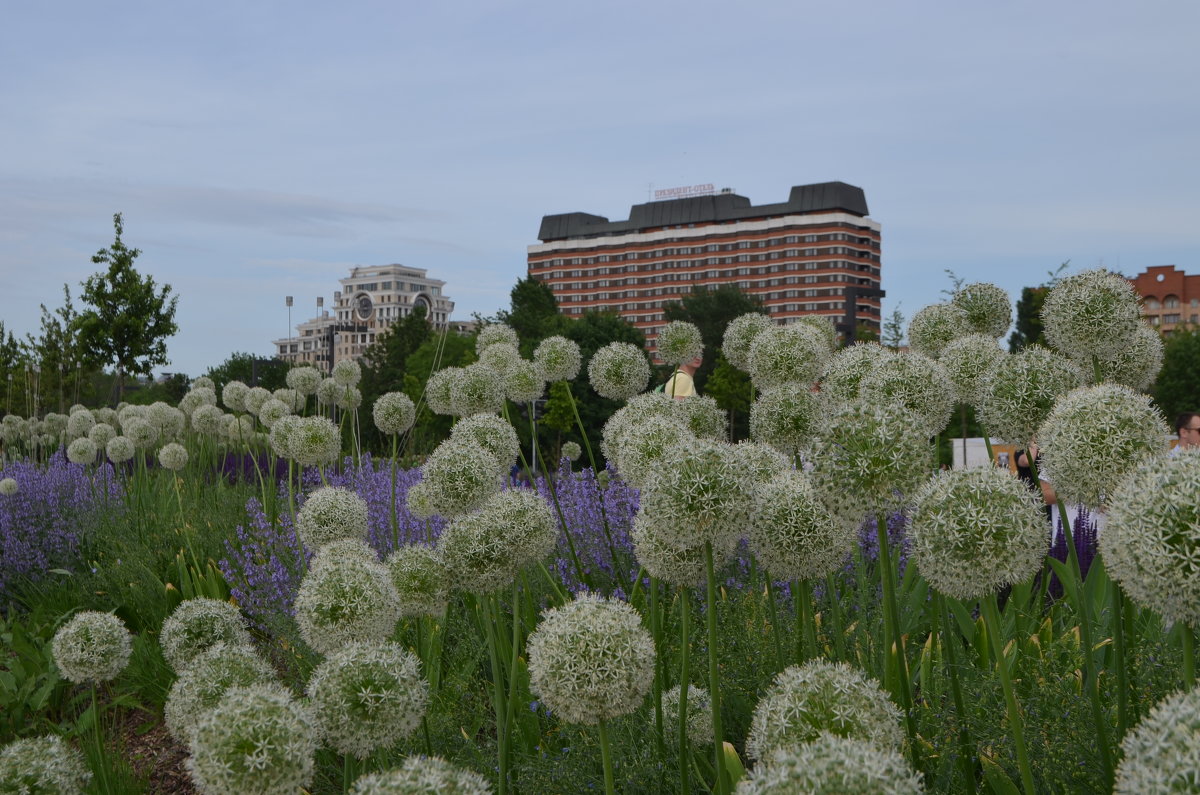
261 149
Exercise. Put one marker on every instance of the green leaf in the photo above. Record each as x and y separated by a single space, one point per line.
996 778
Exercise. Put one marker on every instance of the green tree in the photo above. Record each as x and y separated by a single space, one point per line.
384 362
128 318
732 390
893 329
533 314
1177 388
251 370
592 331
439 351
12 372
66 371
1028 327
711 311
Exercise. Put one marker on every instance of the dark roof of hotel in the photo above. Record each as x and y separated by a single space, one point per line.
822 197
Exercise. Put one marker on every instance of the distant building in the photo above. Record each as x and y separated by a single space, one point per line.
371 299
816 253
1170 297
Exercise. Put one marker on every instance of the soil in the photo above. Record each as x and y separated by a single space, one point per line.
154 754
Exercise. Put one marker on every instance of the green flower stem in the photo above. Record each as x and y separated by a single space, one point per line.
838 627
991 618
656 631
498 705
685 675
776 632
806 627
98 739
1118 635
512 665
612 550
892 637
714 678
1189 656
606 757
392 512
562 520
950 641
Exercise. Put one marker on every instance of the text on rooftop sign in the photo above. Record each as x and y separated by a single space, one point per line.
684 192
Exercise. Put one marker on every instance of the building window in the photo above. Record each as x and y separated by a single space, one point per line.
1171 302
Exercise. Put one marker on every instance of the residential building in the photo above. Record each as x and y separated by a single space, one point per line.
371 299
816 253
1170 297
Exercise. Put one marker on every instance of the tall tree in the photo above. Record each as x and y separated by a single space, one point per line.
12 372
384 362
439 351
711 311
533 314
1028 328
893 329
1178 386
128 318
65 369
251 370
592 331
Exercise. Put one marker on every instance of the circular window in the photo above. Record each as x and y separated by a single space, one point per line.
363 306
1160 277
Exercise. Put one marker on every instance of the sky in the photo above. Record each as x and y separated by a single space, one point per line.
262 149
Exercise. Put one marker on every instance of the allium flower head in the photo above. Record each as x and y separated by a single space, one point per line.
679 342
657 549
330 514
1094 313
496 334
976 530
329 392
258 739
639 409
785 417
478 389
8 487
419 500
558 359
1092 438
304 380
703 417
641 451
346 599
846 369
198 624
282 433
485 550
591 660
619 371
460 476
571 451
168 420
119 449
394 413
699 714
988 308
916 383
82 451
256 396
272 410
700 493
787 354
315 441
140 432
344 549
349 398
493 434
421 580
523 382
92 647
935 326
792 534
499 356
1136 365
239 428
423 775
233 395
101 433
967 361
739 336
347 372
42 764
173 456
867 458
761 462
196 398
1019 391
824 325
832 765
1151 544
55 423
208 420
202 684
368 696
203 382
79 423
1162 753
821 697
438 390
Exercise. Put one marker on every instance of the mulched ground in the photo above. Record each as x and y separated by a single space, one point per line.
154 753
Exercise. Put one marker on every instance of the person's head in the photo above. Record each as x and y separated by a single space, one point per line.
1187 425
691 367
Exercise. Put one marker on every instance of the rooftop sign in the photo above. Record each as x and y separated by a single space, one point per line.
685 192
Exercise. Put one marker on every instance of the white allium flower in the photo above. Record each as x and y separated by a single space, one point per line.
1152 536
106 415
819 697
239 427
347 372
197 397
204 382
523 382
1135 365
702 415
140 432
1019 391
55 423
558 359
349 398
82 451
272 410
438 390
173 456
1162 753
591 660
330 514
496 334
329 392
368 696
8 487
973 531
988 308
935 326
119 449
92 647
304 380
499 356
656 547
868 459
619 371
42 764
233 395
198 624
832 765
640 453
315 441
208 420
493 434
700 493
295 401
423 775
101 433
786 417
421 580
792 533
202 684
916 383
394 413
485 550
258 739
341 549
1094 313
1094 436
699 714
457 479
639 409
787 354
967 361
760 462
169 420
739 336
420 500
346 599
79 423
571 451
256 396
824 325
477 389
679 342
281 434
846 369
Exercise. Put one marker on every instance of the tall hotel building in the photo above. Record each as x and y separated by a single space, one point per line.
816 253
